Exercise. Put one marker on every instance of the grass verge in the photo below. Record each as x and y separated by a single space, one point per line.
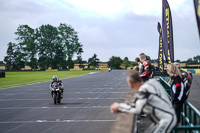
24 78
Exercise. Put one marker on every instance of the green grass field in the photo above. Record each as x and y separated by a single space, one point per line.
23 78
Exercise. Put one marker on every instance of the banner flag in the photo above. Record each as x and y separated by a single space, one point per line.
197 13
160 51
167 29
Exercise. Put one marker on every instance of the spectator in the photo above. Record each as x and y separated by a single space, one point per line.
152 100
186 78
177 89
136 68
145 70
140 65
137 60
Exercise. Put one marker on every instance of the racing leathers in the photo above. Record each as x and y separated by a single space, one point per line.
145 70
141 68
187 81
178 94
153 100
59 82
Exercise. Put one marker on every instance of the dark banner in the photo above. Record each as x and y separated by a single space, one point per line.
160 51
197 12
167 28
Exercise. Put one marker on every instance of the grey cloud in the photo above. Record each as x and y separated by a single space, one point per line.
123 34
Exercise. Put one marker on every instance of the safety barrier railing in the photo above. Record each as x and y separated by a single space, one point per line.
190 116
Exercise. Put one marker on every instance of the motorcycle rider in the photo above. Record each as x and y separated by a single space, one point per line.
55 79
109 69
145 70
153 100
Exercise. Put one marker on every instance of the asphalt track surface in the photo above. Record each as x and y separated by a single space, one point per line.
194 96
84 109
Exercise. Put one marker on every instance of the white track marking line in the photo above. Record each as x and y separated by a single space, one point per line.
93 72
68 93
63 99
100 92
65 107
124 73
56 121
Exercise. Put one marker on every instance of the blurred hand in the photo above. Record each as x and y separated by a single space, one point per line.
114 108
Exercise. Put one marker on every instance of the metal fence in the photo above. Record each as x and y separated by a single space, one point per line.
190 117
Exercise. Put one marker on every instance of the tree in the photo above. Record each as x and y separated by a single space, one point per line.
70 40
133 64
26 37
115 62
59 60
154 60
19 58
197 58
93 61
47 37
178 61
126 62
46 46
9 59
79 58
15 59
189 60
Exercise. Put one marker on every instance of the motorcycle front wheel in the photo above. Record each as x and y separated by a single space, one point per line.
59 98
55 98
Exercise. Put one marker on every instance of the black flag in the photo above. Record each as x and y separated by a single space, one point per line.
168 43
197 12
160 51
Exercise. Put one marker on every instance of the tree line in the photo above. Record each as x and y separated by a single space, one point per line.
194 60
46 46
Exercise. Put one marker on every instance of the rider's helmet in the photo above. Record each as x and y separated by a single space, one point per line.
54 77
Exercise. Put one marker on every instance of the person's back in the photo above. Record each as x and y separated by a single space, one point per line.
152 99
157 94
141 68
156 98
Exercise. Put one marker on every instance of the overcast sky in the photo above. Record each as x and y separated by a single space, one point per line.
106 27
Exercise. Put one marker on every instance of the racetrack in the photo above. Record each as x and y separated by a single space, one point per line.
84 109
195 92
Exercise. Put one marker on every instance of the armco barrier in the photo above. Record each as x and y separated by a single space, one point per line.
184 70
89 69
63 69
191 70
197 71
51 70
2 74
125 122
75 69
190 117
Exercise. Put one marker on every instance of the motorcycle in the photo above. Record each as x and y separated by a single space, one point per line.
56 93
